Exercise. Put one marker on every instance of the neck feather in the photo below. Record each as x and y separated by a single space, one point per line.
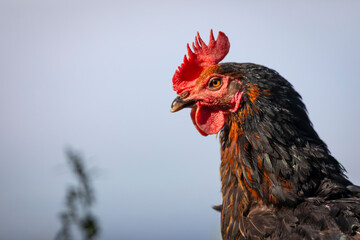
272 159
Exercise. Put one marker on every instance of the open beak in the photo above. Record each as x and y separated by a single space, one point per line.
179 104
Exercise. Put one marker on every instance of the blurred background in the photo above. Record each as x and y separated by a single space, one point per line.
96 75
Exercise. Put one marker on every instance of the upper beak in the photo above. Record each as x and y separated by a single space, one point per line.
179 104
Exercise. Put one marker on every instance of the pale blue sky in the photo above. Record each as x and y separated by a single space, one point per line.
96 75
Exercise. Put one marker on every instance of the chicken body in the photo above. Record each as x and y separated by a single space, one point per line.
279 180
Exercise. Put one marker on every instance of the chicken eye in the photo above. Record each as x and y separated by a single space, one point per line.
215 83
184 95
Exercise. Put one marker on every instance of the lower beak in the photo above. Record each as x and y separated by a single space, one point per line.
179 104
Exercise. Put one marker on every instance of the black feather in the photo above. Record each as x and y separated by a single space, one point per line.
279 180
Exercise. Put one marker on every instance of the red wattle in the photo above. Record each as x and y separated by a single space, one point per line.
207 120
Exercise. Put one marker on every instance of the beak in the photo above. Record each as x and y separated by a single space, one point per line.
179 104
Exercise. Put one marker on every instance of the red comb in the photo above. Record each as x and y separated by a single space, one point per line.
202 57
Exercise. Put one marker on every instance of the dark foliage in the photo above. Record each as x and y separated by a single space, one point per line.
79 200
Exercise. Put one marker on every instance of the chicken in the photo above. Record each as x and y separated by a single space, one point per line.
279 180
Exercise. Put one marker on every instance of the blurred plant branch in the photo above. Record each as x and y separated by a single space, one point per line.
79 200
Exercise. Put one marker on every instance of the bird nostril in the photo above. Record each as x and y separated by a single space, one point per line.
184 95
